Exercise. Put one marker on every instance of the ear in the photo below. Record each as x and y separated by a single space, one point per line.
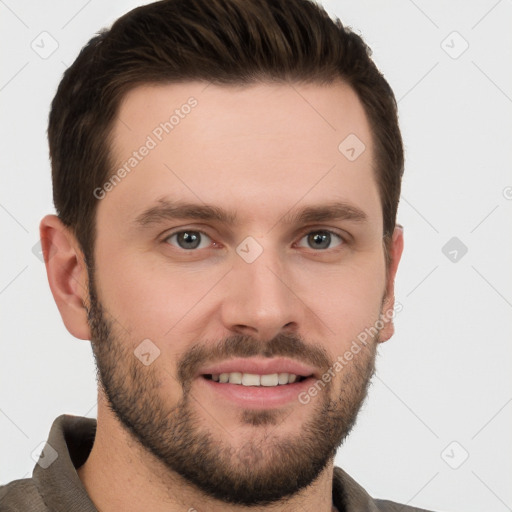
395 253
67 274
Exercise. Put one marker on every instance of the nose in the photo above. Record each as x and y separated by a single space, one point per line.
259 299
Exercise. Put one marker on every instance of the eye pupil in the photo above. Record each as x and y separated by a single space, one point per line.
188 239
320 239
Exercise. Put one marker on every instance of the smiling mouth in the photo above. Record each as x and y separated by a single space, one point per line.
253 379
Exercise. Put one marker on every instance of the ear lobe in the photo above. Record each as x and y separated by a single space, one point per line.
396 249
67 274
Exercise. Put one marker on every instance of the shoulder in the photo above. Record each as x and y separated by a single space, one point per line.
390 506
350 496
21 495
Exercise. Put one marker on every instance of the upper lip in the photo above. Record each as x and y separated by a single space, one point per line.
258 366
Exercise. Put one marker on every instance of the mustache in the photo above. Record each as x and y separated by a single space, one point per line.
283 345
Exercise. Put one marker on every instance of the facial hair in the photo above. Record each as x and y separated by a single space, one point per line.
266 469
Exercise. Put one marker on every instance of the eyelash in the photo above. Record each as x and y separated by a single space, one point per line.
343 240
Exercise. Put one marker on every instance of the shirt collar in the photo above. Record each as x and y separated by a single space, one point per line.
71 438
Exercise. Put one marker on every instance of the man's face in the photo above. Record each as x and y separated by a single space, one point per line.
273 283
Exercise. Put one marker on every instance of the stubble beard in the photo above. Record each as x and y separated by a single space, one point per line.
265 469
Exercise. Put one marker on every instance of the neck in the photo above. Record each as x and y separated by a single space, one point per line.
120 474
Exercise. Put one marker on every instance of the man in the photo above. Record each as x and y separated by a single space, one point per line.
226 176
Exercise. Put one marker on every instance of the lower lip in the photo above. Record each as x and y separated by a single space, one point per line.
257 397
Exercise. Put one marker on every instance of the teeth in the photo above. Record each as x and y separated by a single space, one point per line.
252 379
269 380
235 378
283 378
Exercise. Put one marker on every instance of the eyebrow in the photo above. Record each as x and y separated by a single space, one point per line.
170 210
336 210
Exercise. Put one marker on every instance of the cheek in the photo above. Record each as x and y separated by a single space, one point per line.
347 299
150 299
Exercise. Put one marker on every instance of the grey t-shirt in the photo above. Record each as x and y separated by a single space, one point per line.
55 485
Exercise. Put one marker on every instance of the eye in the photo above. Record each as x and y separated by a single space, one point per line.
321 239
189 239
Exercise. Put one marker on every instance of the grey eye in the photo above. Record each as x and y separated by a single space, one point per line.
189 240
321 240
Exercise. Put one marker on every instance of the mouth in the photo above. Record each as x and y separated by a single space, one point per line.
254 379
256 383
257 371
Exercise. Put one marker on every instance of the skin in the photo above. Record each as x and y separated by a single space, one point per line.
262 152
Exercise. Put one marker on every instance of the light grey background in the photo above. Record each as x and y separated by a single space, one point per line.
443 388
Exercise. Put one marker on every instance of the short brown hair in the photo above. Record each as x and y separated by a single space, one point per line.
222 42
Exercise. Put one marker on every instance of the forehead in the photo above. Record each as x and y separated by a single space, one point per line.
255 149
